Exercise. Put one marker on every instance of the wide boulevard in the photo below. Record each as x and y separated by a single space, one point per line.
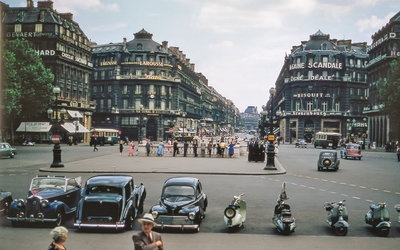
373 179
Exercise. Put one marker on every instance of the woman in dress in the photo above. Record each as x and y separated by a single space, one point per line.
131 149
160 149
231 149
59 235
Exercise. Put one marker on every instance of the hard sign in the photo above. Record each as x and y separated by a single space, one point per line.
271 137
55 139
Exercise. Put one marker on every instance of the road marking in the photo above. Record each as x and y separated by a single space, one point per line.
24 174
375 189
293 184
311 187
12 175
344 195
343 183
309 177
397 193
316 179
302 186
324 180
369 200
362 187
333 181
352 185
357 198
387 191
323 190
332 192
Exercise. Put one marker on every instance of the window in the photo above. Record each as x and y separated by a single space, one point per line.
324 106
298 60
323 46
38 28
297 106
324 73
17 28
125 103
324 59
151 72
351 61
125 89
109 88
138 72
309 105
101 88
139 58
337 106
351 91
310 73
310 60
103 74
94 89
109 103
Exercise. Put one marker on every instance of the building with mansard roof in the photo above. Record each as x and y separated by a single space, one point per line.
65 50
385 48
149 90
322 86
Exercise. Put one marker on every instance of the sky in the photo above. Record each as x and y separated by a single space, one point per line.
239 45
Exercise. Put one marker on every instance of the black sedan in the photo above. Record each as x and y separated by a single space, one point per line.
5 201
50 198
328 159
110 201
182 205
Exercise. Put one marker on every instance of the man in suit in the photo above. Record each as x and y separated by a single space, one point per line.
147 239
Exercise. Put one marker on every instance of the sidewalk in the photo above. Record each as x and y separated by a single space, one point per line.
115 163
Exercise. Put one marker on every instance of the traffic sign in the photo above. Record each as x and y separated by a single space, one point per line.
55 139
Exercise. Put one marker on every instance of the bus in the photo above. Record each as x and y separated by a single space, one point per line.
104 136
327 139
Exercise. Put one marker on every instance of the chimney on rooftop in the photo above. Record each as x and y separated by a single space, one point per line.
45 4
69 16
165 44
29 3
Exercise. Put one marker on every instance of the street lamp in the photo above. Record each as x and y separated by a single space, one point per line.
56 120
271 123
76 122
183 125
364 135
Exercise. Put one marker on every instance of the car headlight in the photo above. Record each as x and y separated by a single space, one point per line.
20 203
230 212
44 203
192 215
154 214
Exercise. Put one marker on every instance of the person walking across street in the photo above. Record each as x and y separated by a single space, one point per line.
95 144
203 148
131 149
185 148
148 147
121 146
176 151
209 148
195 146
160 149
147 239
231 151
398 152
222 145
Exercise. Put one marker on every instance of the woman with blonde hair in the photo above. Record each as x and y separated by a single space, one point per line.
59 235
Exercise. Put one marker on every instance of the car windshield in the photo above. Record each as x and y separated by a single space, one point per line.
104 189
42 183
326 154
173 192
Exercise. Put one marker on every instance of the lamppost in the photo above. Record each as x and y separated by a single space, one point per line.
183 125
350 124
56 120
271 123
364 135
76 124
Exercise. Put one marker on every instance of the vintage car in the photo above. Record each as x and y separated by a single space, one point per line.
328 159
5 201
182 204
7 150
300 144
351 150
110 201
50 199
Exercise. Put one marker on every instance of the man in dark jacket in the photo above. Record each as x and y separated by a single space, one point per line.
185 148
176 150
147 239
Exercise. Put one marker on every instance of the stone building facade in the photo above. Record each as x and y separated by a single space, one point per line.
65 50
150 90
385 47
322 86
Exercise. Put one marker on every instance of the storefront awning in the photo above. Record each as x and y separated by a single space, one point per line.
72 113
70 128
34 127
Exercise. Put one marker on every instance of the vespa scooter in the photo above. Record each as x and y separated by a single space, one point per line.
397 207
378 217
283 219
337 217
235 213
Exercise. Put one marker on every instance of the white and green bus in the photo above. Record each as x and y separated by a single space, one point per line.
327 140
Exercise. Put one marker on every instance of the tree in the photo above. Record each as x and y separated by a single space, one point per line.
27 84
389 91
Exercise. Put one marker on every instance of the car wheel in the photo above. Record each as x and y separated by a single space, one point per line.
128 222
341 231
12 155
59 217
345 156
359 158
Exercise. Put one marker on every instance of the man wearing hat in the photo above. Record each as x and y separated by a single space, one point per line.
147 239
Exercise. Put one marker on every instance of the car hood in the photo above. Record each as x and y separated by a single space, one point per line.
105 198
176 205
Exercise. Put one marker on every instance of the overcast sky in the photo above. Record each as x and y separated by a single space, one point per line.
239 45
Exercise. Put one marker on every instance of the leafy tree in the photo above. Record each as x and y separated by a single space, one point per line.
389 91
27 84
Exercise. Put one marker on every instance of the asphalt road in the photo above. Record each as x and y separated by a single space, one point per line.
373 179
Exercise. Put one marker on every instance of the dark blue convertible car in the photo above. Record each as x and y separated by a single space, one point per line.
50 198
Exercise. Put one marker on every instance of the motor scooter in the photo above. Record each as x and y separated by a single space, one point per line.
283 219
397 207
235 213
378 217
337 217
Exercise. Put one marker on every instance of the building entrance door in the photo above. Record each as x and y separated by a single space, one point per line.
151 129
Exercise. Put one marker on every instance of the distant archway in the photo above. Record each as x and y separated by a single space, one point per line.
151 129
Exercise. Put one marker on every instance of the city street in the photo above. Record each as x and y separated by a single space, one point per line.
371 180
